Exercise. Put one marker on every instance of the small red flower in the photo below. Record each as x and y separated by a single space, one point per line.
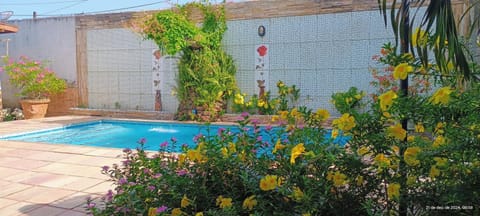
262 50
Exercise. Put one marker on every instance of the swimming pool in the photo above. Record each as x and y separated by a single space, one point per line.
126 134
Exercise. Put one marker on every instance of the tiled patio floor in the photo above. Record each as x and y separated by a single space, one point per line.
48 180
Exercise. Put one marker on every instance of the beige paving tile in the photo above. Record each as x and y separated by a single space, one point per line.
49 156
40 195
21 163
20 176
72 201
81 183
95 161
44 210
101 188
6 202
46 179
18 152
18 208
13 188
113 153
72 213
73 149
6 172
72 169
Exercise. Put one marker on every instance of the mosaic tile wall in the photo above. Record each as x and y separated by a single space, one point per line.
320 54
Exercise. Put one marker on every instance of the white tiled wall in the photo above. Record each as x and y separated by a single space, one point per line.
120 72
320 54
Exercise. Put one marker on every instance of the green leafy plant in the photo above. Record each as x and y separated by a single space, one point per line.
206 77
34 80
287 99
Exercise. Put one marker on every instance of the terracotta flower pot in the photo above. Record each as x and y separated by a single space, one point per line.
34 108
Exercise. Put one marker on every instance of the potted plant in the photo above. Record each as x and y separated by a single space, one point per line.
36 83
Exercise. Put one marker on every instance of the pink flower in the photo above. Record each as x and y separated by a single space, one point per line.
164 144
161 209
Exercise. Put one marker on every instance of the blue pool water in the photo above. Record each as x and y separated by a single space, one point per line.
125 134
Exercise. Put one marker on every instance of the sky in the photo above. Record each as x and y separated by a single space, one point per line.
23 9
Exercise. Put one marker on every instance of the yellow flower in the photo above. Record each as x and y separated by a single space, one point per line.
339 179
295 113
283 114
262 103
393 191
242 156
224 152
434 172
334 133
275 118
152 211
224 202
181 159
306 214
396 149
249 202
411 180
177 212
397 132
346 122
363 150
359 180
410 138
419 128
239 99
441 96
420 37
297 151
410 156
297 194
440 140
269 182
199 214
321 115
381 160
386 100
439 128
278 146
401 71
185 201
441 161
232 148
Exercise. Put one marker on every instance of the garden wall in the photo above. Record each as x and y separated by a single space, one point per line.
50 39
320 46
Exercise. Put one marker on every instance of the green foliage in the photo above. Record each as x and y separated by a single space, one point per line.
346 102
287 99
34 80
206 73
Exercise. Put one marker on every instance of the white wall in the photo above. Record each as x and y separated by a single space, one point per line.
47 39
320 54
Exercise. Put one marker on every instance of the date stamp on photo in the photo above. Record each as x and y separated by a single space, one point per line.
453 207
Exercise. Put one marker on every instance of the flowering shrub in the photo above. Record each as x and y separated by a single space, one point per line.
34 80
287 98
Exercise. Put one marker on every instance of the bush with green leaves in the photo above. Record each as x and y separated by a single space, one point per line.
266 104
206 76
293 168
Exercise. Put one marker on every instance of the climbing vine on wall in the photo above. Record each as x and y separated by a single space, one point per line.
206 76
